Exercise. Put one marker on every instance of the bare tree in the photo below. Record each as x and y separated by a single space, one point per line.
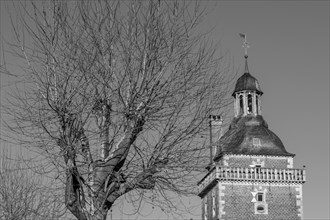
22 193
116 96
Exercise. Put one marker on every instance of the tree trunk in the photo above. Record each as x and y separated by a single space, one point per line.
100 215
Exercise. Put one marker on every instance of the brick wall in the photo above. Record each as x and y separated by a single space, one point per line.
247 161
234 200
280 200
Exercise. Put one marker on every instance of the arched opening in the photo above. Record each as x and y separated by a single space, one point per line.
249 107
241 105
257 104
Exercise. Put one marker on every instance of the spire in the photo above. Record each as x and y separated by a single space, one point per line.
246 70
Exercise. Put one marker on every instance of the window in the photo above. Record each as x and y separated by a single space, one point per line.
260 197
257 166
256 142
260 204
261 208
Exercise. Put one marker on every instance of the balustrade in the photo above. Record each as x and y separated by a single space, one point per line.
253 173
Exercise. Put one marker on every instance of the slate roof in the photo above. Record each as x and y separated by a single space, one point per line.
239 139
247 82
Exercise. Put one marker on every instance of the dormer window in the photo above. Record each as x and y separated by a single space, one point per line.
256 142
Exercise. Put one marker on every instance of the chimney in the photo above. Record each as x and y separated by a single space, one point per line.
215 122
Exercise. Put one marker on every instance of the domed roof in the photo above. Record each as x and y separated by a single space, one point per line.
250 135
247 82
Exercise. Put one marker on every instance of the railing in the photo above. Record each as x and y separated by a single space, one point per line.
253 174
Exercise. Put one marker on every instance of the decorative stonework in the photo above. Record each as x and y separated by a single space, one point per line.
222 189
258 162
213 204
225 160
235 198
251 174
299 200
260 205
290 162
280 162
204 208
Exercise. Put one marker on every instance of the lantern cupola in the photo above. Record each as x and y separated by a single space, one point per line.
247 94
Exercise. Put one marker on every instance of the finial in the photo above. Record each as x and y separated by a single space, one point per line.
245 46
246 70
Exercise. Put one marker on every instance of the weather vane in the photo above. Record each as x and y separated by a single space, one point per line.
245 44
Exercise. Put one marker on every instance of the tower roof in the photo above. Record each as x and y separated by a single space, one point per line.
240 137
247 82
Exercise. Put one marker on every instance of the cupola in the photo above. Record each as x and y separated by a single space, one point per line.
247 94
248 133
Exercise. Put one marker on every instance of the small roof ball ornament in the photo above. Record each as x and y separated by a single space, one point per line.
245 45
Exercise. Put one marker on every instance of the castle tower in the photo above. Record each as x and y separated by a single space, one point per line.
252 176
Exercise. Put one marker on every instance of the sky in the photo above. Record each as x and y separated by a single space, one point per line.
289 55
